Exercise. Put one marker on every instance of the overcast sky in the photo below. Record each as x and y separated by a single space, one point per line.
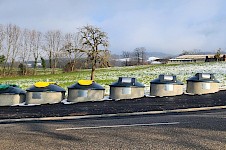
168 26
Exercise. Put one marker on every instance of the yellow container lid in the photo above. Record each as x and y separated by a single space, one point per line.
85 82
43 84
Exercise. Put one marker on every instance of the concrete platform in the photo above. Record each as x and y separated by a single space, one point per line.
144 104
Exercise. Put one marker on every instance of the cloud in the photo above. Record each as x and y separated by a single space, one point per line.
185 25
164 25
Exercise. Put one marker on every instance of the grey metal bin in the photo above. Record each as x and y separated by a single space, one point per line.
11 95
202 83
85 90
126 88
166 85
44 93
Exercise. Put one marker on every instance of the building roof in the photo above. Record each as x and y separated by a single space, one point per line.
152 58
180 59
196 56
123 59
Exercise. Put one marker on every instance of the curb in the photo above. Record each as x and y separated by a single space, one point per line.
111 115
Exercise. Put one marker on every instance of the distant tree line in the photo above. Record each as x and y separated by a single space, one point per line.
136 57
19 46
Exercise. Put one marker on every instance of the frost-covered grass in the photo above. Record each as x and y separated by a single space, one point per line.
144 74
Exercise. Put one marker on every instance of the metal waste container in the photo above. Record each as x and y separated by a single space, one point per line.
44 93
166 85
126 88
85 90
202 83
11 95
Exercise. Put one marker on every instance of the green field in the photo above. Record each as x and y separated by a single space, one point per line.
103 76
106 76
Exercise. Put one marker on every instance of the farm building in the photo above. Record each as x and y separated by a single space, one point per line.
195 58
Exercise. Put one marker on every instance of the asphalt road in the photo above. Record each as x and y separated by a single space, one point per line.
199 130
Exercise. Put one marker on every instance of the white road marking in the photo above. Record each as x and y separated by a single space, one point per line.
112 115
118 126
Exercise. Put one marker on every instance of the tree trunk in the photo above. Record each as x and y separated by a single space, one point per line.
6 62
10 70
93 69
50 59
54 65
93 73
72 67
35 66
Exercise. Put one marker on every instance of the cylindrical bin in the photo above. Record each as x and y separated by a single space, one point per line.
126 88
44 93
11 95
166 85
202 83
85 90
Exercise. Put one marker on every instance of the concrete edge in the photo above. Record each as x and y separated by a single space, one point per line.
112 115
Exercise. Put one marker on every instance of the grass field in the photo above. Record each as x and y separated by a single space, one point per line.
144 74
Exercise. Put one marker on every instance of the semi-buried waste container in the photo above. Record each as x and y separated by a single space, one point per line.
11 95
202 83
85 90
166 85
44 93
126 88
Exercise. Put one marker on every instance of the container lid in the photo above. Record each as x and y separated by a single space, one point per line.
85 82
126 82
86 85
43 84
203 77
44 87
3 86
166 79
12 89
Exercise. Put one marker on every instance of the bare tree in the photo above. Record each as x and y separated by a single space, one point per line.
15 46
127 56
35 46
140 55
25 51
217 56
143 55
12 33
2 37
8 41
94 43
95 40
54 42
105 59
73 39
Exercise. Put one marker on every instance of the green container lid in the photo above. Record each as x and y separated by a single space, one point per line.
4 86
10 88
